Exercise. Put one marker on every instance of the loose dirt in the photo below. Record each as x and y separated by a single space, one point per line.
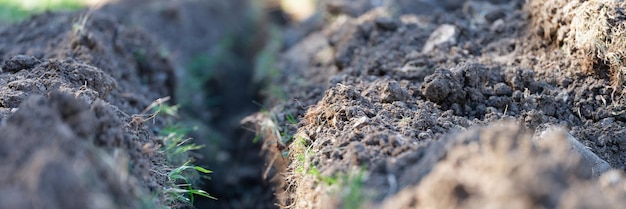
86 78
366 104
69 93
397 107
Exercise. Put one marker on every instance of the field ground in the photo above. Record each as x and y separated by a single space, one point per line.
321 104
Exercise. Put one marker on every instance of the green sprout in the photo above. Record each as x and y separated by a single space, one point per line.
175 142
176 147
176 175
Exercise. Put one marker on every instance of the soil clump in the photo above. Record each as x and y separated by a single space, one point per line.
74 130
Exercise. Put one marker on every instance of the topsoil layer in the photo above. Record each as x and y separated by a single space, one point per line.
77 101
379 104
392 106
75 132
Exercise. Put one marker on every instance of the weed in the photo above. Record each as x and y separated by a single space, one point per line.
350 186
269 127
183 184
158 107
328 180
405 121
176 148
301 148
180 178
176 145
292 120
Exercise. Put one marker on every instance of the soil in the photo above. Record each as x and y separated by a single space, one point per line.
366 104
68 103
128 54
436 109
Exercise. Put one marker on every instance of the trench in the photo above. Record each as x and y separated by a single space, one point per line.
214 45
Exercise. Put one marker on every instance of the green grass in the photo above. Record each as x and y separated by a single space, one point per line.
182 178
347 186
271 126
182 175
350 186
183 189
176 144
18 10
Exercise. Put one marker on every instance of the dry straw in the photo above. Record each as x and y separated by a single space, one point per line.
593 32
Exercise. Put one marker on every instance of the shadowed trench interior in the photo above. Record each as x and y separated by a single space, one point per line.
214 45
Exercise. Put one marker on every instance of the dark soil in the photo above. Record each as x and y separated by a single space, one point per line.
367 104
67 101
377 90
83 88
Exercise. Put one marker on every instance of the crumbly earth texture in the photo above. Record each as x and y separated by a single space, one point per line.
74 131
106 66
389 108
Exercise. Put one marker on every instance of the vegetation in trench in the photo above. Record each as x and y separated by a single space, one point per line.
184 191
270 126
183 175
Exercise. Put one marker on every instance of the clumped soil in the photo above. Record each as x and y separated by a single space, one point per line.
438 108
74 91
71 98
373 104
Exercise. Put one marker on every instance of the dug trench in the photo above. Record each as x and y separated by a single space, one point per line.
212 46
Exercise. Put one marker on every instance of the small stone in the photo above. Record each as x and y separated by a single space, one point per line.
445 33
393 92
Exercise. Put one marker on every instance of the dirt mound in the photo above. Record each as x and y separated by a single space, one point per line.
74 88
373 98
500 166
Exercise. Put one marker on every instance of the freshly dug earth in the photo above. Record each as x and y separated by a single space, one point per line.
93 76
404 108
74 130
